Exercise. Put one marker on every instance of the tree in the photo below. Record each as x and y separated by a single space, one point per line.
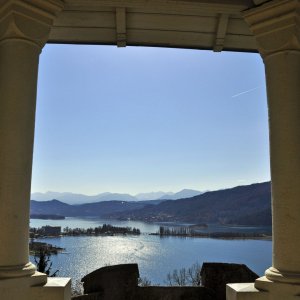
185 277
43 262
144 281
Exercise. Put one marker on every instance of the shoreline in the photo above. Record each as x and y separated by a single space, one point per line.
220 237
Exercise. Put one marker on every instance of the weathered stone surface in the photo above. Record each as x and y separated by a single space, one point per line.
215 276
94 296
113 282
174 293
120 282
160 293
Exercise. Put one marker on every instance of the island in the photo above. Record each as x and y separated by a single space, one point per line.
190 232
47 217
36 247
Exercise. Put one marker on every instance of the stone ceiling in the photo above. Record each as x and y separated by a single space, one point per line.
198 24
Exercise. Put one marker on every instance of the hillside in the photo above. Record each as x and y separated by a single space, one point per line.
99 209
243 205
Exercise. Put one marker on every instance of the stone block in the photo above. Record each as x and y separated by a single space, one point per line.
56 288
244 291
35 287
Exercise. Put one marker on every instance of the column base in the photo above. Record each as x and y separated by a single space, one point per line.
36 287
263 289
17 271
287 277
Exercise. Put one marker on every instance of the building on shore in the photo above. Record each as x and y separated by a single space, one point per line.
51 230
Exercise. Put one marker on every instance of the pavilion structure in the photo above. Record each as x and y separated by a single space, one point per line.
271 28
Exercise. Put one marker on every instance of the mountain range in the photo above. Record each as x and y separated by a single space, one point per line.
242 205
71 198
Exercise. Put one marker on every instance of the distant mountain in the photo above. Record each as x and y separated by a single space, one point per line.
242 205
115 196
151 195
53 207
71 198
186 193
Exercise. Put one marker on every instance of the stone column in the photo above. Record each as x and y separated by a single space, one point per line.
276 27
24 29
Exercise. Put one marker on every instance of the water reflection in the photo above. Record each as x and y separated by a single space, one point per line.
156 257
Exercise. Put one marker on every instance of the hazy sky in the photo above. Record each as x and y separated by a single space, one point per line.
147 119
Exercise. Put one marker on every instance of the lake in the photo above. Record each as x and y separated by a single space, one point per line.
155 256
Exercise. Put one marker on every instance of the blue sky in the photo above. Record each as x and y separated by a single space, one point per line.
140 119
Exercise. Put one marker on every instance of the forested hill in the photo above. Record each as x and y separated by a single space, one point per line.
98 209
242 205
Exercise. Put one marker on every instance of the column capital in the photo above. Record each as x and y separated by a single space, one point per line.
28 20
275 25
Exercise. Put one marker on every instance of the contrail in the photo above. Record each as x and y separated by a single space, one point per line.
245 92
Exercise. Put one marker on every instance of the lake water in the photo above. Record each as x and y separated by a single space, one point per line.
155 256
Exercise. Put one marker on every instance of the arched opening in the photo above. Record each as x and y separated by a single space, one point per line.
138 120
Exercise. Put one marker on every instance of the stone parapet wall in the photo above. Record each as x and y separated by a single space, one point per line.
157 293
93 296
174 293
120 282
